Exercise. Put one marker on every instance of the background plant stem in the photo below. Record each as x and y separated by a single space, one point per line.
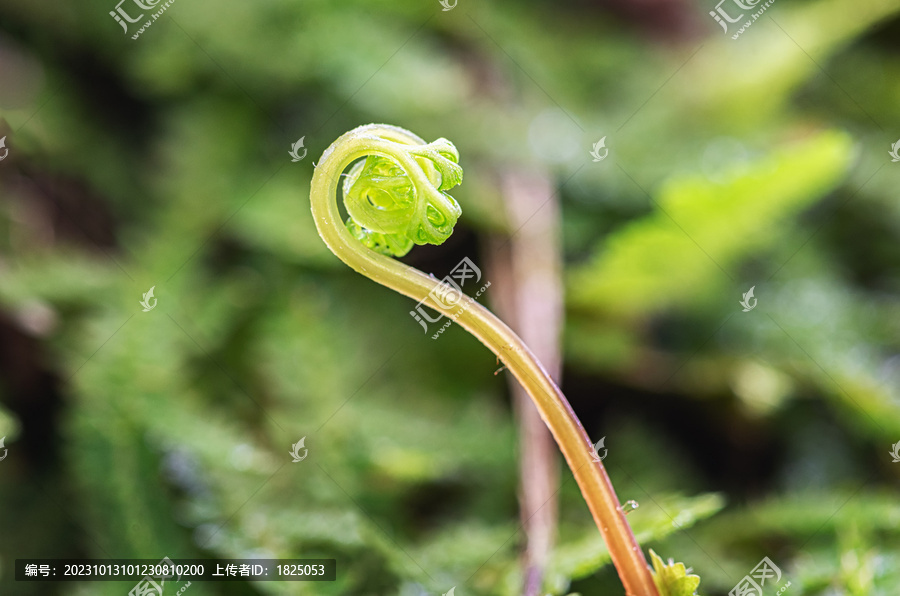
525 268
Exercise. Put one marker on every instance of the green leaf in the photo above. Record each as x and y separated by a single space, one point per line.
575 559
701 227
673 579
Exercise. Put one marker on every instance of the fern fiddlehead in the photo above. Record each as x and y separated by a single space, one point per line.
396 197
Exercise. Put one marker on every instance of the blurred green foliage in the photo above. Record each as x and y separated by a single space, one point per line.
162 162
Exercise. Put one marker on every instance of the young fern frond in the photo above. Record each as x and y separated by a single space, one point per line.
396 198
397 201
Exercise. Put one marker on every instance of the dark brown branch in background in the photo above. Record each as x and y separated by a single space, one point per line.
528 294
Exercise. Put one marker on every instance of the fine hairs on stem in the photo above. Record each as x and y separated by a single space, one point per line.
396 199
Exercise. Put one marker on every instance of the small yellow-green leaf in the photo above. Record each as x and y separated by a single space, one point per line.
673 579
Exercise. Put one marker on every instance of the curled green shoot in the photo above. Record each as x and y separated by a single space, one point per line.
396 198
395 202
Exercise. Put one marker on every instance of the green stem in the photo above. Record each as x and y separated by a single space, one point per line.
573 441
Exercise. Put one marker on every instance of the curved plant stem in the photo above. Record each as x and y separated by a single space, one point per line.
492 332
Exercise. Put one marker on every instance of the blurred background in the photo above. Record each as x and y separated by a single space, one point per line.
157 157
